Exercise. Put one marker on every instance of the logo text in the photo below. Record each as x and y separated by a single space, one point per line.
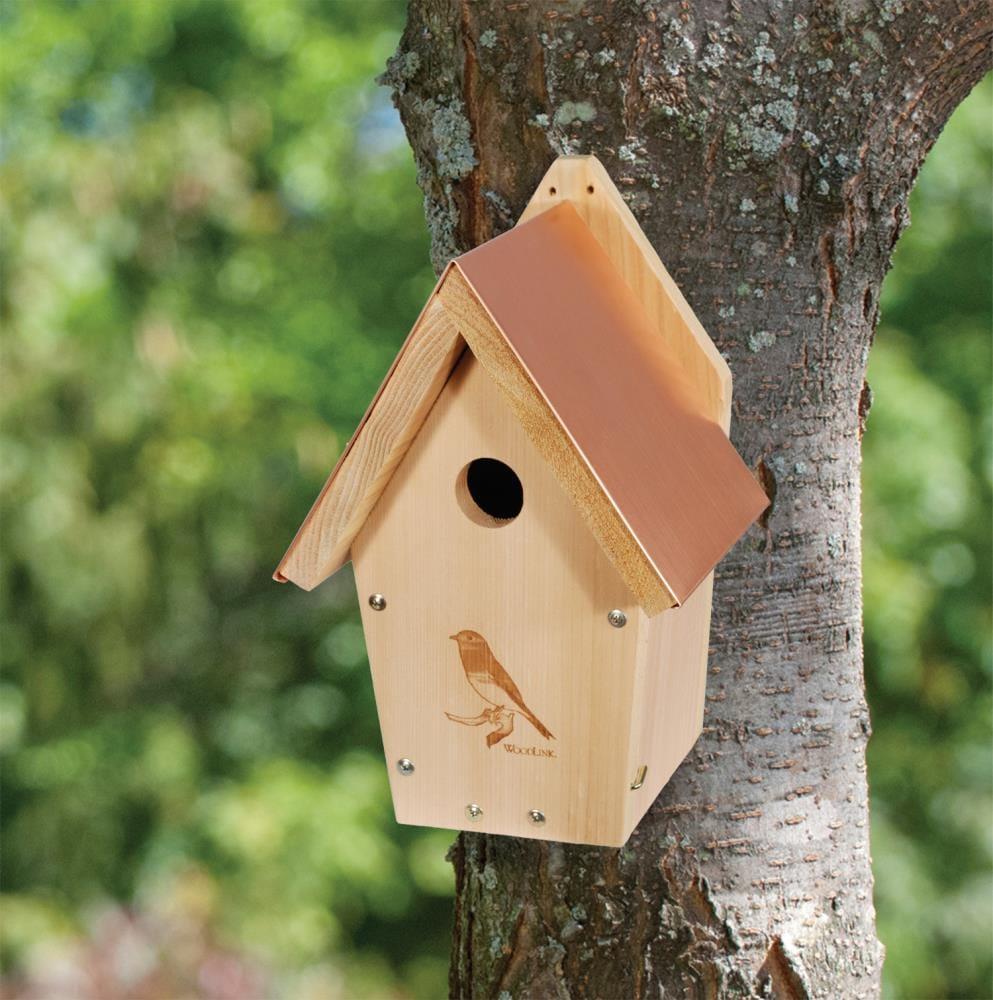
529 751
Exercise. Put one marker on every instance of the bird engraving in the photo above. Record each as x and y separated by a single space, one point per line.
488 678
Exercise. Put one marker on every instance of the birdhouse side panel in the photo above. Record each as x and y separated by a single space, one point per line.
498 676
669 691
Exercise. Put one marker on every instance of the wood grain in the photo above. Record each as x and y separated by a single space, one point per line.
394 417
538 589
670 685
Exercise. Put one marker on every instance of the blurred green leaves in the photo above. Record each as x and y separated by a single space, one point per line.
213 248
927 575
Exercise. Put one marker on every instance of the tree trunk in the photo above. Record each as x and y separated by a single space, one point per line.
768 151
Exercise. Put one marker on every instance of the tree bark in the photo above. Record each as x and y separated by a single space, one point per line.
768 151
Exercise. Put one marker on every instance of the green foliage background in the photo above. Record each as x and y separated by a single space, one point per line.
213 245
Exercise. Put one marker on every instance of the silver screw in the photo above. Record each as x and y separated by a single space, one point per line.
377 602
536 816
617 618
405 766
473 811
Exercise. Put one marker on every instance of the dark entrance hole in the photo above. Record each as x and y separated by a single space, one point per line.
491 488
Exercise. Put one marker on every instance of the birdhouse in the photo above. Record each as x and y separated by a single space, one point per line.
534 504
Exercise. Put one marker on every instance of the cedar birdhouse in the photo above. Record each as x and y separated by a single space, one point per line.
534 504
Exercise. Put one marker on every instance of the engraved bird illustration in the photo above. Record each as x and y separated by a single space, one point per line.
488 678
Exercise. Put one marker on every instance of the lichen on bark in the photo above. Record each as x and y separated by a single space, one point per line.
768 152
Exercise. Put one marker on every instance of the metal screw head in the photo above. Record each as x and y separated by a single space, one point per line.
377 602
405 766
473 811
537 817
617 618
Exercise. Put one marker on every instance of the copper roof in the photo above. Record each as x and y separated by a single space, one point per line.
554 321
586 343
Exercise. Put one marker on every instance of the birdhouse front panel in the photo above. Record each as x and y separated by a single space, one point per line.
504 693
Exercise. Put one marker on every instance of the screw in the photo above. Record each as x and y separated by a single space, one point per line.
377 602
473 811
405 766
536 816
617 618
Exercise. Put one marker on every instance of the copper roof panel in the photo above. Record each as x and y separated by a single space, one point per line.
590 349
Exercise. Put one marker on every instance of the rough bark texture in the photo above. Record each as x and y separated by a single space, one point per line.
768 150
